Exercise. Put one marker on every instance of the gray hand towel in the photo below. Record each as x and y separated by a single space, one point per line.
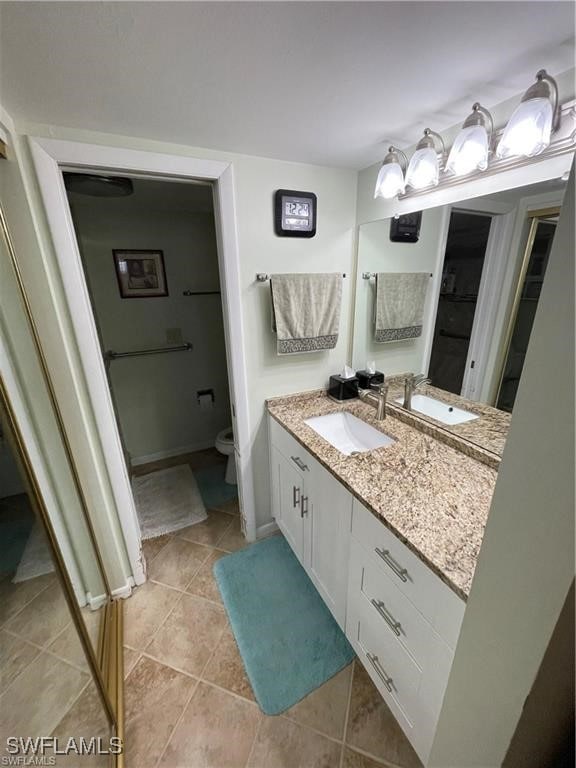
399 305
306 311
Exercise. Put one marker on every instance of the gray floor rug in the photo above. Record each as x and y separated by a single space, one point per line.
36 559
167 500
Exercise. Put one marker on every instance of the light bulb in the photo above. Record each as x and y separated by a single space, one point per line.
390 181
469 151
423 169
529 129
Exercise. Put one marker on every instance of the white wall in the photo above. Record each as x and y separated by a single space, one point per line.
376 253
526 563
155 395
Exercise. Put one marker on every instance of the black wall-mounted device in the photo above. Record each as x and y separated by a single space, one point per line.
406 228
294 213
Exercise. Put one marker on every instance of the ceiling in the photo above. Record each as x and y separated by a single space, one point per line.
331 83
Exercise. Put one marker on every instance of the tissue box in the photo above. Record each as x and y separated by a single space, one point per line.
343 389
365 378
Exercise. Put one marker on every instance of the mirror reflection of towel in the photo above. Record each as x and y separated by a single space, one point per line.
399 305
306 311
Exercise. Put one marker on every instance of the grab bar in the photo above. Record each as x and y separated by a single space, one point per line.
111 355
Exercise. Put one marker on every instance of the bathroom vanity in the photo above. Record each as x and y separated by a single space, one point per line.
389 536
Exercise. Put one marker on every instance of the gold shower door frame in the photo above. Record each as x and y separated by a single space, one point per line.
106 663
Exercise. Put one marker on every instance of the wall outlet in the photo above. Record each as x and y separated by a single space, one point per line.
174 336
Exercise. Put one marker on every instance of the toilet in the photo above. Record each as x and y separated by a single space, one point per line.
225 445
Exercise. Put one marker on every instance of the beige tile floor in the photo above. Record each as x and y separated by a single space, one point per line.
44 679
188 701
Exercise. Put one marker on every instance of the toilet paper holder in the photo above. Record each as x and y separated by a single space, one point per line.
205 398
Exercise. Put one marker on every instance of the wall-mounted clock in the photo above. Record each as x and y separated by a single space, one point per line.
294 213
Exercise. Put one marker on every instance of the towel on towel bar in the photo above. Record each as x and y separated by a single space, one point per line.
399 305
306 311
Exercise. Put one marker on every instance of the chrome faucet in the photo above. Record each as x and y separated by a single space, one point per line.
375 396
411 383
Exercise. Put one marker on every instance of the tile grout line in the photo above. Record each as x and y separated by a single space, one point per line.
177 723
256 735
378 760
19 611
76 700
45 649
347 716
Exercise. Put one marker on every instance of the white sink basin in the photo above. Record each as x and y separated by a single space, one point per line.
347 433
436 409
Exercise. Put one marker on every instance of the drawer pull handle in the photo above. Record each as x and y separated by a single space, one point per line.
380 671
295 496
303 510
299 463
391 563
394 625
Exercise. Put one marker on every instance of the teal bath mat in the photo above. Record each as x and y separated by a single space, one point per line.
215 491
287 637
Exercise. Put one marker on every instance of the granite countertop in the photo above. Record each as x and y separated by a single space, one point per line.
433 497
484 438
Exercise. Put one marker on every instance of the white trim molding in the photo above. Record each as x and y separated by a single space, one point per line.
50 157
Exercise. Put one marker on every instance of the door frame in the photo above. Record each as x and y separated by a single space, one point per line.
489 292
50 157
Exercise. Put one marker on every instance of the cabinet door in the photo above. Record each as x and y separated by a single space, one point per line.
328 538
287 487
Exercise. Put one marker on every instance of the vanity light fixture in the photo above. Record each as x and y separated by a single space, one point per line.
390 181
472 145
424 168
534 120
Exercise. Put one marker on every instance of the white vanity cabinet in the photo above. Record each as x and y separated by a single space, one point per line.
403 623
313 511
401 618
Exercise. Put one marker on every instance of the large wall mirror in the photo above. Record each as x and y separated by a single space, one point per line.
57 623
485 263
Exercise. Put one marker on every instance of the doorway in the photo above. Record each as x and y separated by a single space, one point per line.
541 231
150 261
464 258
52 157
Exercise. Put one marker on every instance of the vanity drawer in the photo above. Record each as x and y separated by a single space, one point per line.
435 600
289 447
393 671
396 614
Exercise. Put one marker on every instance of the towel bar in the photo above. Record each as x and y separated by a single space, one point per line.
368 275
262 277
110 355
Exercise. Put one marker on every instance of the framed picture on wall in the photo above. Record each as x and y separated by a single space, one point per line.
140 274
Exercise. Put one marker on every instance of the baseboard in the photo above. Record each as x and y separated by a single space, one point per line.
148 458
266 530
125 591
96 602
